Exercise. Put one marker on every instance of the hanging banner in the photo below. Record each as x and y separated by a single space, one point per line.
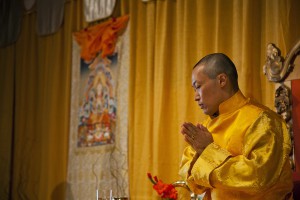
98 165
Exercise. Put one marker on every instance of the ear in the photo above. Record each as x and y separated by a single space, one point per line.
222 79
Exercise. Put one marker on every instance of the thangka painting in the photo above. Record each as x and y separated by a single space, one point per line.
97 107
98 121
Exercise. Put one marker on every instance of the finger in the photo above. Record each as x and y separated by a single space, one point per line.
187 133
187 125
190 126
200 126
205 129
189 139
186 128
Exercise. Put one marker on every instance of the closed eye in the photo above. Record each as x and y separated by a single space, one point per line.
196 87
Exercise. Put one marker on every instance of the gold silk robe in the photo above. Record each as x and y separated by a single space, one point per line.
249 158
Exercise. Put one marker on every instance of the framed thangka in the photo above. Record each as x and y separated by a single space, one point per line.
98 121
97 107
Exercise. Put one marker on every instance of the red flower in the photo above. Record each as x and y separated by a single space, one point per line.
164 190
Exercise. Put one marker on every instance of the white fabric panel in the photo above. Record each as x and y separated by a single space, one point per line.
98 9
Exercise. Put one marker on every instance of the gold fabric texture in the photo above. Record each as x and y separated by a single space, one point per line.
249 158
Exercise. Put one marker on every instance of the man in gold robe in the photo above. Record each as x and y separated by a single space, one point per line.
241 152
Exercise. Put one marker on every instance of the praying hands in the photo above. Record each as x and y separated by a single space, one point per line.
197 136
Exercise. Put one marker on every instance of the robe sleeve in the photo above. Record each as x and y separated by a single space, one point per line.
265 154
187 158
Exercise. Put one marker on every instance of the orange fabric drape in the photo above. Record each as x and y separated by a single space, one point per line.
101 37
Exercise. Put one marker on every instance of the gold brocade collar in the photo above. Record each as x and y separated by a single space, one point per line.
233 103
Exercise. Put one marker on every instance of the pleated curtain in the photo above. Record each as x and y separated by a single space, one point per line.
167 38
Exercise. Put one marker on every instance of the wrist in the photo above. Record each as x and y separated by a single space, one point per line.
198 152
195 158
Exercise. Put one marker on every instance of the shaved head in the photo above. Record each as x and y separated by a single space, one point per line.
217 63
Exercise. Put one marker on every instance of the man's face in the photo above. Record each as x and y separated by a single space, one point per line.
207 91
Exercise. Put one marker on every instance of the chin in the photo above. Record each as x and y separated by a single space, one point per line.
206 112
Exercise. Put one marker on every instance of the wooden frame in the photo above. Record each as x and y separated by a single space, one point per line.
285 73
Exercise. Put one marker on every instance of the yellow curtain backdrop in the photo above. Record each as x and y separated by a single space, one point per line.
167 38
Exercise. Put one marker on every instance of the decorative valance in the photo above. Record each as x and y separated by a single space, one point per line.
50 14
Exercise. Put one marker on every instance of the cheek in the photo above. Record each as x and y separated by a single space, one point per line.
205 93
208 95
